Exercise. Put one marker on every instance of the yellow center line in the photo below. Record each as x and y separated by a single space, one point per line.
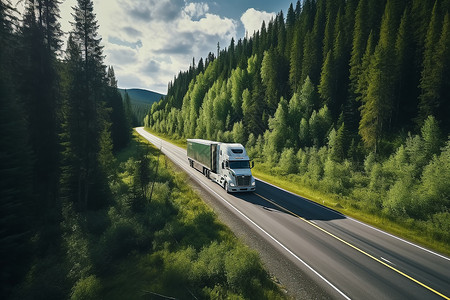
354 247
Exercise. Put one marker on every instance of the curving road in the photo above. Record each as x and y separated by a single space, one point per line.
345 258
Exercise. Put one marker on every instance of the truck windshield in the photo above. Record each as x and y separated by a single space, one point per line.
240 164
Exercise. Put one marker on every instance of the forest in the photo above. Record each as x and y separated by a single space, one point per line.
347 97
88 211
61 121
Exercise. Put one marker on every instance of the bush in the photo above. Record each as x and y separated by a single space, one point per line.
210 266
118 240
243 271
439 226
161 192
86 288
288 161
337 177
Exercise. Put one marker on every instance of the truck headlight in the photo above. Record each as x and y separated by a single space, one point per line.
232 184
253 183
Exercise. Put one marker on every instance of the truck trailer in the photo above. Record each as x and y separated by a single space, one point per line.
224 163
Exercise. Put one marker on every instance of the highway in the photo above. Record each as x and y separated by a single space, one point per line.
345 258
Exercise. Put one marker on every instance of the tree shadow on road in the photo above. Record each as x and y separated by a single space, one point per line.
274 199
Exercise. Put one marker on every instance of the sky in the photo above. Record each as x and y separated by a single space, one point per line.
148 42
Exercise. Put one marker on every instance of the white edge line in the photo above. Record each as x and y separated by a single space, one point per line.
266 233
357 221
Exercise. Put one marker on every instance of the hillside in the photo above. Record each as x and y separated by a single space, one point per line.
141 101
348 98
141 95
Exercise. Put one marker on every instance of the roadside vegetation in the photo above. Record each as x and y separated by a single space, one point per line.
156 236
405 194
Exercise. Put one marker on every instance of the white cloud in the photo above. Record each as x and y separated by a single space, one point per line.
252 19
149 41
195 10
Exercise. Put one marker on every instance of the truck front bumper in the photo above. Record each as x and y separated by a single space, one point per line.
241 189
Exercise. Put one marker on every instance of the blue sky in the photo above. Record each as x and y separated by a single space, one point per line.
149 41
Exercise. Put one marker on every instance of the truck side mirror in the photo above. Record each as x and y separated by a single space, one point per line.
253 164
227 164
223 165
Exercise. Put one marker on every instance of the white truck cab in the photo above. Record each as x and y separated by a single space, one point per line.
234 164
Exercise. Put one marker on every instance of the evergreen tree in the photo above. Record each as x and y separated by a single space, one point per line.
120 128
327 88
39 90
84 149
337 144
278 125
269 78
405 105
431 136
290 29
359 45
312 57
296 57
308 98
15 166
431 77
434 97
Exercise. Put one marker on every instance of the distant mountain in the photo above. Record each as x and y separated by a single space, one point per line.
141 101
141 95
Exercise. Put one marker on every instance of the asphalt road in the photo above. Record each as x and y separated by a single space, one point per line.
346 258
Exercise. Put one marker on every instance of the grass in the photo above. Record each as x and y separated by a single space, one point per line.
406 229
177 142
191 252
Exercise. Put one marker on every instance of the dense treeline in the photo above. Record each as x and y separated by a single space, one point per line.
61 118
352 96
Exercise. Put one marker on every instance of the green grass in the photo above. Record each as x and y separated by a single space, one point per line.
407 229
177 142
191 251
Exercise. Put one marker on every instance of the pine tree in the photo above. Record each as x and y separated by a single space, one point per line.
308 98
327 88
39 91
337 147
120 128
296 57
269 78
429 82
443 53
312 57
377 104
290 29
360 37
405 105
83 180
433 97
15 165
278 125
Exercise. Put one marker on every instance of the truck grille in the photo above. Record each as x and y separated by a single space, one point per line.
243 180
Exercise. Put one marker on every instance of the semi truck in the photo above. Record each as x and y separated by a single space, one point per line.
224 163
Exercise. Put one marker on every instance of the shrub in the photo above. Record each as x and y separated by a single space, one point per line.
288 161
86 288
243 270
439 226
210 266
118 240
